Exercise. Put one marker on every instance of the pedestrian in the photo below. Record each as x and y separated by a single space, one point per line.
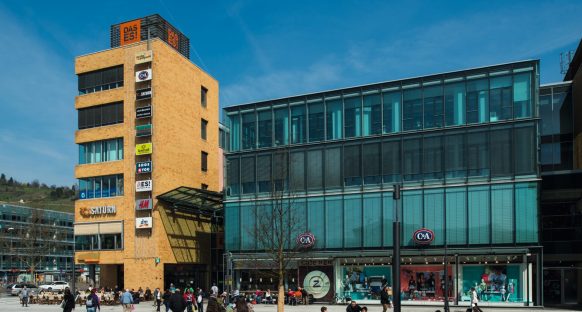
214 289
126 301
157 299
364 309
213 305
177 302
68 304
242 306
92 303
24 296
304 295
200 301
323 309
166 299
474 300
385 299
353 307
189 298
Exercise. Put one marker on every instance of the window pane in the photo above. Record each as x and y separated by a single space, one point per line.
478 153
477 101
501 105
248 130
433 107
315 214
371 163
372 114
352 221
334 119
433 157
455 104
264 173
522 95
455 155
526 208
235 131
282 126
412 217
525 151
412 110
501 153
391 161
203 126
478 200
352 173
456 225
112 150
434 214
232 176
372 215
333 168
392 112
106 187
97 189
82 154
387 218
352 111
297 171
334 222
314 170
298 124
265 128
280 170
248 175
316 125
502 213
412 159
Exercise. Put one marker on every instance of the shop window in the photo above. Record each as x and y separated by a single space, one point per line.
495 283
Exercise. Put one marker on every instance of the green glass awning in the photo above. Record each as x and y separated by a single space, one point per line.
194 200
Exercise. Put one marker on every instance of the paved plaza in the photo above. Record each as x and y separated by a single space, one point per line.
10 304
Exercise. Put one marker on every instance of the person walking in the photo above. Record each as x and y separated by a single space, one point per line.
189 298
385 299
177 302
126 300
213 305
474 300
353 307
92 303
166 299
68 301
24 296
157 299
243 306
200 301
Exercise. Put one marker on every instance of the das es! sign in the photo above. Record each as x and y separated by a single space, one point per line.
130 32
423 236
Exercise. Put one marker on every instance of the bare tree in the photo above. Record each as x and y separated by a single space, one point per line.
277 222
32 242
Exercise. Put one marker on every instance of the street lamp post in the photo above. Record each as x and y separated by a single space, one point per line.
396 244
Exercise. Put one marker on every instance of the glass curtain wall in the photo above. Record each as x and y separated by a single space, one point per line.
372 114
353 115
298 123
316 121
391 111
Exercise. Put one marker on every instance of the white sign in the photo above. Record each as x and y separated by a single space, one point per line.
143 185
143 75
317 284
143 223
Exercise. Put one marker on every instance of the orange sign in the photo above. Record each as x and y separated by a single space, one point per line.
130 32
173 39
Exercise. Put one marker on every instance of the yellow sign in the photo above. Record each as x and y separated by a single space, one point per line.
143 57
143 149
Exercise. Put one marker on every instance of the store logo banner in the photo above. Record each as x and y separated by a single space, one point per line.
423 236
143 149
143 223
130 32
143 167
173 39
144 204
143 112
143 75
97 211
143 57
143 94
305 240
143 186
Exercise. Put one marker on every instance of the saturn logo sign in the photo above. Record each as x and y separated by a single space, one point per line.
305 240
423 236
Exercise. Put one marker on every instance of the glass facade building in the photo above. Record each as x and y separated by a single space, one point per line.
464 147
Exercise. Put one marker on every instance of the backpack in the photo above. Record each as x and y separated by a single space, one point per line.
90 302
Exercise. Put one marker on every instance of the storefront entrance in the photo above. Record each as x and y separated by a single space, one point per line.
186 275
561 286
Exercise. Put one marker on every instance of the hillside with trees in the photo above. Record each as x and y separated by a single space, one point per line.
36 194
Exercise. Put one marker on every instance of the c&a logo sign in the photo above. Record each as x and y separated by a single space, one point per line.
305 240
423 236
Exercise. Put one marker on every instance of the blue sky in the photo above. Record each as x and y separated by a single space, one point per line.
257 50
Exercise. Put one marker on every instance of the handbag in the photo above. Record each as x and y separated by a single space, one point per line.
63 304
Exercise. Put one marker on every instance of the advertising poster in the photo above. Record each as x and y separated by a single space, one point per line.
143 186
130 32
143 75
143 167
143 149
143 223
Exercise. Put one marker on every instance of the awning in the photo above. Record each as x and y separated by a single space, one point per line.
198 201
